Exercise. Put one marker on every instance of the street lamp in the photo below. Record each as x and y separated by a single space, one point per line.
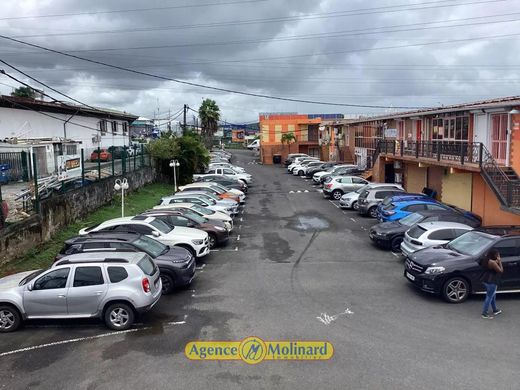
174 164
121 185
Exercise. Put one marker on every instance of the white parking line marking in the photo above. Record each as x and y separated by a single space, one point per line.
77 340
291 192
241 219
239 227
353 219
397 254
299 191
238 237
334 204
306 191
236 249
203 265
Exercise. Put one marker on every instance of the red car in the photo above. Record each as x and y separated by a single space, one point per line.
104 155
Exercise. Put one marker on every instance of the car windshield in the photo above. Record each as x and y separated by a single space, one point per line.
202 210
470 243
150 246
161 226
387 201
30 277
194 216
411 219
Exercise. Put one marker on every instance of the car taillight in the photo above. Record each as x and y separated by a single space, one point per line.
415 242
388 212
328 185
146 285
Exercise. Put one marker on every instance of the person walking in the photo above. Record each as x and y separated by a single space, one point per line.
493 270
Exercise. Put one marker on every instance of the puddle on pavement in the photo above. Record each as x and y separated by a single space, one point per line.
309 223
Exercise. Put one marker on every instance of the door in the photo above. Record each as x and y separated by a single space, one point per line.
480 129
48 296
509 250
499 137
87 291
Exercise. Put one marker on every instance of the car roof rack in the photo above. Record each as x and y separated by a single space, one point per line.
86 261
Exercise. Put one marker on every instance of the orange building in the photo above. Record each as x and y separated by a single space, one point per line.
305 127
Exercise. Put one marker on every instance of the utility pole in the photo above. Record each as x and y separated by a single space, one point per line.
184 121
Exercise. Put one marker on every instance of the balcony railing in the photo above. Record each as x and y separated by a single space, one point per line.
457 152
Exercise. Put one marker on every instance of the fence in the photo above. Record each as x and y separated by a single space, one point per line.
76 172
16 166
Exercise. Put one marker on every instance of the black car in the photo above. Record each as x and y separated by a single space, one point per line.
345 171
323 167
223 180
389 235
176 264
453 271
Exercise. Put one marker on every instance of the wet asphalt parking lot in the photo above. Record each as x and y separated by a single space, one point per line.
296 268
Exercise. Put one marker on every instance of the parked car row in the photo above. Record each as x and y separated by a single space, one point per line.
119 268
441 244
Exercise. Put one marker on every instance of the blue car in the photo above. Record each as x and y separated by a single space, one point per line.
397 207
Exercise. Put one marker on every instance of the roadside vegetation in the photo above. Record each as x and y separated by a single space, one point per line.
42 255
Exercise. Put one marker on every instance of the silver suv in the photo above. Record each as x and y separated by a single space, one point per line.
112 286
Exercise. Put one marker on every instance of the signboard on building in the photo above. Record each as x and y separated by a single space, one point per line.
237 136
69 167
390 133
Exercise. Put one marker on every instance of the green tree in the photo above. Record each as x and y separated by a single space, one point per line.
209 114
24 92
188 150
288 138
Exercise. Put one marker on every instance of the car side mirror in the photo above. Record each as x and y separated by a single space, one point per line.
155 234
30 287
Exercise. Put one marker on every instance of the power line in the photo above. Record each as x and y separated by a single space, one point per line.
365 11
132 10
197 84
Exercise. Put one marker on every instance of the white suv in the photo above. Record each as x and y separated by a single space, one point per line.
194 240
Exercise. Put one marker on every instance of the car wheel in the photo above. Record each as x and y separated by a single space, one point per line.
301 173
337 194
168 284
395 245
373 212
10 319
355 205
455 290
119 316
243 181
212 240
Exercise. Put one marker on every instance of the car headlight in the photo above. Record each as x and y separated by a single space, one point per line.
197 242
219 228
345 199
434 270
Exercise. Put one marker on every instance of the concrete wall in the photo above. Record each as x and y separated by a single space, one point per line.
59 211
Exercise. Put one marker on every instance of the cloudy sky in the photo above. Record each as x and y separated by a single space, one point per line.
393 53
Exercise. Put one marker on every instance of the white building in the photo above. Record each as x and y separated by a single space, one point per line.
24 119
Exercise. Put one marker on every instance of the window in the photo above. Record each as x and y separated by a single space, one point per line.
345 180
136 228
74 248
147 266
228 172
508 247
52 280
443 234
415 207
125 127
384 194
117 274
103 127
88 276
357 180
114 127
212 172
178 220
416 231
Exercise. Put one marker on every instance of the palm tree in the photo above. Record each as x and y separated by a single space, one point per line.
288 138
209 115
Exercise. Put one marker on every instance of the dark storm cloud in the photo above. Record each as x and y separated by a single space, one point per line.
347 67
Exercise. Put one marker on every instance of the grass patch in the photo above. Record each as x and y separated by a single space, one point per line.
43 255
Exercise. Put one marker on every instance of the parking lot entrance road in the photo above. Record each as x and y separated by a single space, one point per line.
297 268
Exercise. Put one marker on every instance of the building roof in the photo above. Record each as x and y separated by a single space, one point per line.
63 108
510 101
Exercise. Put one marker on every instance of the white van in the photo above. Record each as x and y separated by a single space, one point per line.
254 145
